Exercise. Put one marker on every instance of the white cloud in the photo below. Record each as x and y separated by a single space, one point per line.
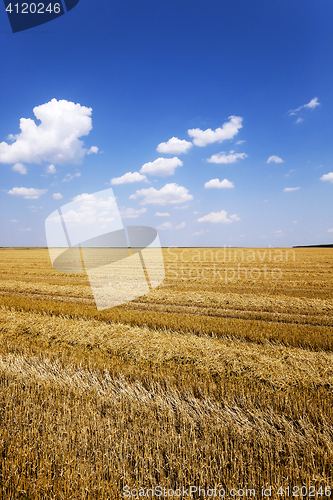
216 183
50 169
275 159
70 177
184 207
27 193
161 166
57 196
217 217
128 178
199 233
310 105
19 167
174 146
167 195
330 230
33 208
27 229
239 142
224 158
164 214
227 131
132 213
290 172
13 220
93 150
288 190
327 177
181 225
299 120
55 139
165 225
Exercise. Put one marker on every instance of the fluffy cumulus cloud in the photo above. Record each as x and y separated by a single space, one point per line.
232 157
162 214
174 146
132 213
327 177
57 196
227 131
165 225
167 195
219 217
27 193
310 105
161 166
91 209
275 159
289 190
55 139
216 183
128 178
20 168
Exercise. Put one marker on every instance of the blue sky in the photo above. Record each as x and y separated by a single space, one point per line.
242 89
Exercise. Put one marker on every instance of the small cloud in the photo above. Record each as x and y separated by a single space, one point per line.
167 195
238 143
219 217
195 213
165 225
222 157
132 213
294 221
199 233
161 166
227 131
128 178
13 220
26 229
34 209
27 193
288 190
310 105
216 183
184 207
299 120
330 230
70 177
92 150
20 168
174 146
50 169
57 196
164 214
290 172
327 177
275 159
181 226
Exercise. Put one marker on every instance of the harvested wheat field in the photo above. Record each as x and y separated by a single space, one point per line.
221 378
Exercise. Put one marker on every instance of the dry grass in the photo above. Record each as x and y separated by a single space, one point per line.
201 382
